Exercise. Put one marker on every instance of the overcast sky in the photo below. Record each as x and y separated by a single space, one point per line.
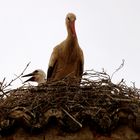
108 31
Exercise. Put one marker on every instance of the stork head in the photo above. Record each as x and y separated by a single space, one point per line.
70 23
36 76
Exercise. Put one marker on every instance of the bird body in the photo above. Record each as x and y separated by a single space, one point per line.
67 58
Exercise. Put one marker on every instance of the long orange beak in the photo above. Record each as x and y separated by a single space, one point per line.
72 26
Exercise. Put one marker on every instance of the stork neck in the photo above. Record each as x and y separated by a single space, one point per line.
71 38
41 81
71 41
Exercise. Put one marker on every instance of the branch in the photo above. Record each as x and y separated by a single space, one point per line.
72 118
122 64
9 84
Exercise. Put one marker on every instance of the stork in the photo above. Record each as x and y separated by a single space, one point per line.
36 76
67 58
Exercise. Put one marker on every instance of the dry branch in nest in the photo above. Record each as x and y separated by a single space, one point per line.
97 102
4 87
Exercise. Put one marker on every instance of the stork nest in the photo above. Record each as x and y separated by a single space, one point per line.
96 102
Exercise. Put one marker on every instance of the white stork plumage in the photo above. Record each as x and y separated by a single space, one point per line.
67 58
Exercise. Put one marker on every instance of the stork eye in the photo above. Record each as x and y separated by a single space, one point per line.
68 19
36 71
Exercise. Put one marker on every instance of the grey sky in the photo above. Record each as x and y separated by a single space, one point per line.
108 31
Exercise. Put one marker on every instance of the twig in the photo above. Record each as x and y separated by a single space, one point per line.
72 118
122 64
19 78
9 84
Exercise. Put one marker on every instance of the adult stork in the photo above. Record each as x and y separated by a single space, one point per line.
67 60
36 76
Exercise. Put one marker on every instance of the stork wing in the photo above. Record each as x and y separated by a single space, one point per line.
52 63
81 64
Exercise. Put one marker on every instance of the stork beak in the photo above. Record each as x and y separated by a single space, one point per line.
32 78
27 75
72 26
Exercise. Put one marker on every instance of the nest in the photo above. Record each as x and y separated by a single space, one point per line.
96 102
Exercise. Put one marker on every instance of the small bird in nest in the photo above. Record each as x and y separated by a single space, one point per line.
38 76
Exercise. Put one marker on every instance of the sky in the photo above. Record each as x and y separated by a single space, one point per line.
108 31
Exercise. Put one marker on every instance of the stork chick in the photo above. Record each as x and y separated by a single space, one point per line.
67 58
36 76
